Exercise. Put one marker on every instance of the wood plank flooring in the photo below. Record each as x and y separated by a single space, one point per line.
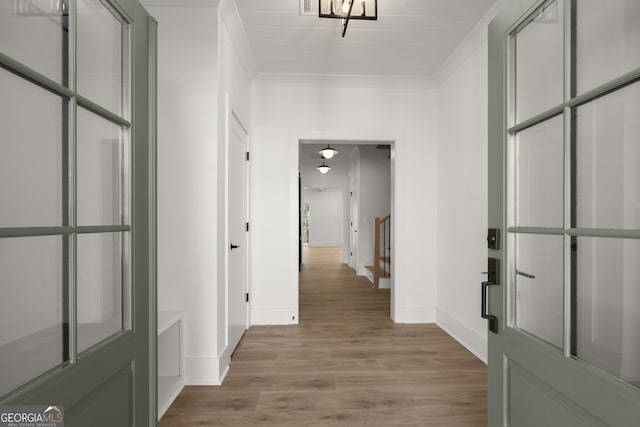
346 363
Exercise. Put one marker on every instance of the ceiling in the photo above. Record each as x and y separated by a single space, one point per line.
410 37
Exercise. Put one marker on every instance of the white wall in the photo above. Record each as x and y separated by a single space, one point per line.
462 193
188 174
285 112
199 69
325 216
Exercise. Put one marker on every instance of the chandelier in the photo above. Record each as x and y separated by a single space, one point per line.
347 10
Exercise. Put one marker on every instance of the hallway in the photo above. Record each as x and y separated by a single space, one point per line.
346 363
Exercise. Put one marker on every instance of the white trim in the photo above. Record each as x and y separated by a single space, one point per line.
468 46
247 213
272 315
416 314
361 270
401 311
165 320
230 18
474 342
227 130
294 316
169 398
204 371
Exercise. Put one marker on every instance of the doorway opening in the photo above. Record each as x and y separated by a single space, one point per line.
341 208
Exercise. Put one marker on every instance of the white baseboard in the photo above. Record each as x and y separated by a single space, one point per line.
415 314
165 401
203 371
361 270
474 342
273 316
384 283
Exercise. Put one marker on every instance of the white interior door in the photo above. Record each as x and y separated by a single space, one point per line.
353 228
237 307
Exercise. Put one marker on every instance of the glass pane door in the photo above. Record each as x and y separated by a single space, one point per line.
574 185
564 184
65 245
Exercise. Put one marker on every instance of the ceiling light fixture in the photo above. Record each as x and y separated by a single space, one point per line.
323 168
343 9
49 8
328 152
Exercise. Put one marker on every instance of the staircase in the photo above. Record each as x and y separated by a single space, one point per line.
381 270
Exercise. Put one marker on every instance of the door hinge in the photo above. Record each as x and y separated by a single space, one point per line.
247 226
247 156
246 297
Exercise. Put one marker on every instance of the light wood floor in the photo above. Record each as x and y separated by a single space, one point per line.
346 363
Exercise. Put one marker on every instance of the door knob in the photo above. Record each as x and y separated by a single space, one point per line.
234 246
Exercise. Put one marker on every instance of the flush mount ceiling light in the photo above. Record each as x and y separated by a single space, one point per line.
328 152
323 168
345 10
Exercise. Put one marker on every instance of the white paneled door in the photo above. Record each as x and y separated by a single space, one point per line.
237 295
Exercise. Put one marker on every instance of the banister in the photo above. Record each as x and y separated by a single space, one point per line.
386 248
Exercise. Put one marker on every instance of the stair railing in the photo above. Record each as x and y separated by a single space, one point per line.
381 249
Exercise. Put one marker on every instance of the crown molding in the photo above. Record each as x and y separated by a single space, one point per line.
468 46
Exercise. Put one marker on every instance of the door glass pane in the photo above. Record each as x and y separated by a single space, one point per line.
608 309
34 32
608 41
539 286
31 308
539 63
31 151
103 283
103 74
608 155
103 175
539 175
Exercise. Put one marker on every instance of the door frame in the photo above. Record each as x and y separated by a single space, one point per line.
353 249
397 191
